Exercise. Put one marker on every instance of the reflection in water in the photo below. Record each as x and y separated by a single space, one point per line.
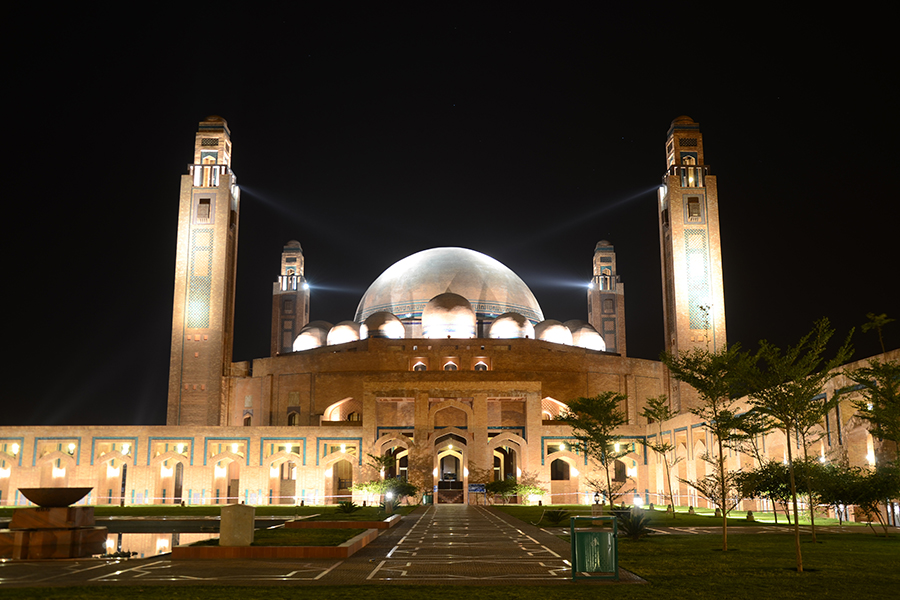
152 544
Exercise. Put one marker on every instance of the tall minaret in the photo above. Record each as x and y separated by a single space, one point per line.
290 300
205 269
606 299
691 248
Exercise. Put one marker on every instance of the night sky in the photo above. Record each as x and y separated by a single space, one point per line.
369 136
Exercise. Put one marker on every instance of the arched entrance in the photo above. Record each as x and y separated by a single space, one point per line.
450 468
342 480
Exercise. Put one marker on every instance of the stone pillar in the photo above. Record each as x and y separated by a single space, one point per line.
236 527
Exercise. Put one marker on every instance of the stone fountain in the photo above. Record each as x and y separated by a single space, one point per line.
53 529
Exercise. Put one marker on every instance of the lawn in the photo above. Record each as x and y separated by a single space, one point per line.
295 537
703 517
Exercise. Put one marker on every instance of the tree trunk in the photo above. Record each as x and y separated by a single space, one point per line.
794 498
723 493
812 508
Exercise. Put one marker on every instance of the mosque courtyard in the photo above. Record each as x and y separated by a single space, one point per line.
449 548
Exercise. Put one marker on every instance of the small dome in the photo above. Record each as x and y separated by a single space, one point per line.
552 330
585 336
382 325
214 118
314 335
343 332
448 315
683 120
511 325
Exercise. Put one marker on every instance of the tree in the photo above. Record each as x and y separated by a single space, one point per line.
395 487
787 385
752 426
876 487
529 484
840 486
593 421
505 488
769 480
714 376
879 384
658 410
877 322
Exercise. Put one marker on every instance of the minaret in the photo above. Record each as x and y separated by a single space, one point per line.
290 300
205 269
691 248
606 299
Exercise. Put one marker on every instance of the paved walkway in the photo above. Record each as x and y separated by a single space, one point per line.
445 544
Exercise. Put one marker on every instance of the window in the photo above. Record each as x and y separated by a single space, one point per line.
559 470
420 366
480 366
450 367
248 420
693 208
293 419
203 211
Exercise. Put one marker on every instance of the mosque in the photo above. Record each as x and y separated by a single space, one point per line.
449 365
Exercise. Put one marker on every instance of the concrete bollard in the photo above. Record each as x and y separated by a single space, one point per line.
236 526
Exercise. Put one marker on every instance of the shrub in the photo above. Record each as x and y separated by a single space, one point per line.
556 516
633 524
348 507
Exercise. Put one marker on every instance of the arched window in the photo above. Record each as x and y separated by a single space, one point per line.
559 470
247 420
293 419
450 367
420 366
480 366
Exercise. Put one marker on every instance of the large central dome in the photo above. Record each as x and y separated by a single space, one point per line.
406 287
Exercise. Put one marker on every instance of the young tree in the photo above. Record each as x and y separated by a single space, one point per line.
752 426
714 376
771 481
879 384
876 487
658 410
593 421
787 386
529 484
877 322
505 488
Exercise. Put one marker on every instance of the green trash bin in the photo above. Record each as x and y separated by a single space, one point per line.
595 553
427 498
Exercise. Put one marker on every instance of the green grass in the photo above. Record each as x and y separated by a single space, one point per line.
295 537
703 517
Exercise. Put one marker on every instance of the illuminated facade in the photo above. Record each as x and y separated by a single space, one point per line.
449 365
205 277
691 252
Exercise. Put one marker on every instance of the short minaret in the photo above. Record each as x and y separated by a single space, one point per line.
290 300
205 271
691 248
606 299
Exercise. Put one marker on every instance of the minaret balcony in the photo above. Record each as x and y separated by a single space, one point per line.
211 175
691 175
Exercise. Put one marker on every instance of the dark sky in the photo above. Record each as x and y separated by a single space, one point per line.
368 136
